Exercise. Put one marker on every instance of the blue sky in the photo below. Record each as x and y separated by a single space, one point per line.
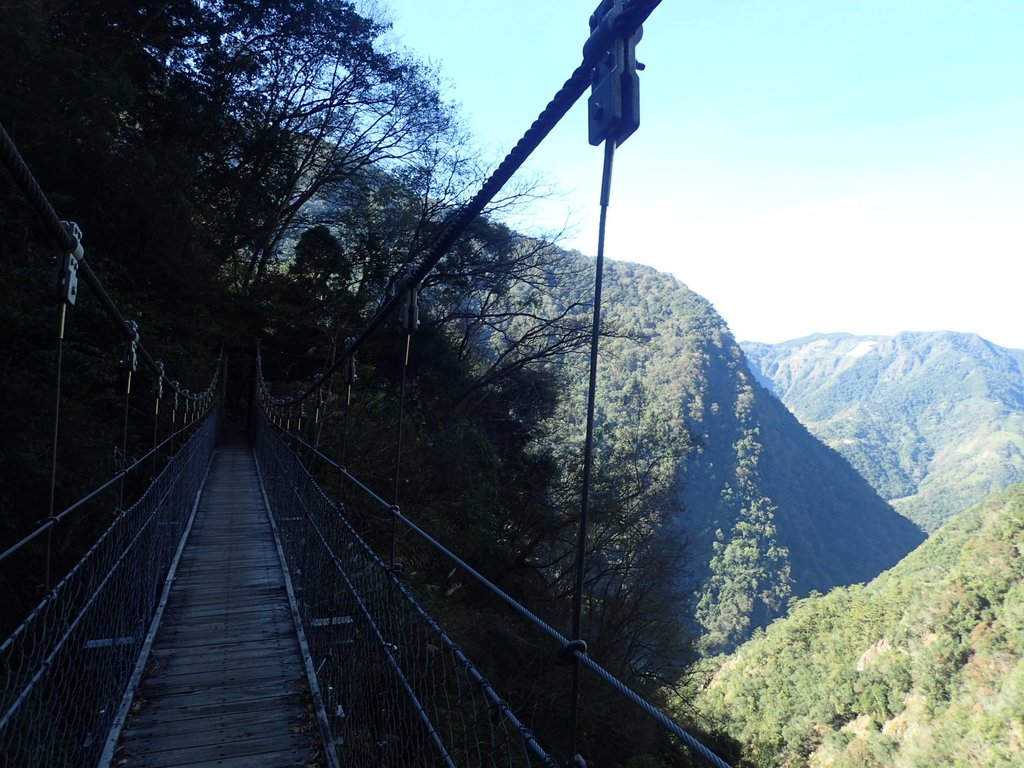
806 165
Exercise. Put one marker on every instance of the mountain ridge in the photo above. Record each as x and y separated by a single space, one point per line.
769 510
933 420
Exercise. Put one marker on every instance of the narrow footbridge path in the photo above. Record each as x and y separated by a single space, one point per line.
224 682
242 619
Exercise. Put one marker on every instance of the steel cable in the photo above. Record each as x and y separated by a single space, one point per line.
22 174
563 642
635 13
398 690
67 664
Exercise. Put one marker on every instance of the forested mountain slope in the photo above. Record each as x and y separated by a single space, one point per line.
921 667
934 421
285 213
769 511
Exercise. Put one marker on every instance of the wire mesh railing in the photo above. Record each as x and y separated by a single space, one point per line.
652 732
396 688
66 666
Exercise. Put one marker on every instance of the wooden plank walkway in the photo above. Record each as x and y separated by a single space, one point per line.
225 684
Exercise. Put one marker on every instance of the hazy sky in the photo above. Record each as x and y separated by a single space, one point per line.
806 165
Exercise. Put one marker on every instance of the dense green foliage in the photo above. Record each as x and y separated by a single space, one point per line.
260 173
921 667
766 510
932 420
251 172
186 139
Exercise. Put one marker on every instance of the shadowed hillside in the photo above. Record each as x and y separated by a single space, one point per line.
769 511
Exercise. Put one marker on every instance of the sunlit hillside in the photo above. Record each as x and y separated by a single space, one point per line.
921 667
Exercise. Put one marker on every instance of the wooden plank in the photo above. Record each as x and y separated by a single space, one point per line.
184 707
225 685
188 754
210 725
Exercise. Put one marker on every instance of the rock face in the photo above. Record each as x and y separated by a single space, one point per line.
934 421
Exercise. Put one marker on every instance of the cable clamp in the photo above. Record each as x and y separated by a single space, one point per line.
67 274
130 358
409 311
350 361
567 653
614 106
78 252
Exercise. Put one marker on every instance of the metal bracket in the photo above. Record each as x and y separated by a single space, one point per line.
614 106
67 275
130 359
409 311
350 362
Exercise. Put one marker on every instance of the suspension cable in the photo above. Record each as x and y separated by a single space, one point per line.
56 434
634 14
68 237
350 379
398 446
571 649
588 445
409 321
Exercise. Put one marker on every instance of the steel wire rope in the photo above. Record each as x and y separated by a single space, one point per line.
652 711
350 380
634 14
526 613
53 595
55 519
22 174
124 434
56 432
409 322
588 442
477 677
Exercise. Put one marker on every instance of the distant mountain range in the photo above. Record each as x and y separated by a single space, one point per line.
934 421
924 666
769 512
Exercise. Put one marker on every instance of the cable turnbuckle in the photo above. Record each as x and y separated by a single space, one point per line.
350 361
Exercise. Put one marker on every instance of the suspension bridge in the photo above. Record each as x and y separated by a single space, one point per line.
231 614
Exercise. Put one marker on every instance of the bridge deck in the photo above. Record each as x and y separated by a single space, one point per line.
225 683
